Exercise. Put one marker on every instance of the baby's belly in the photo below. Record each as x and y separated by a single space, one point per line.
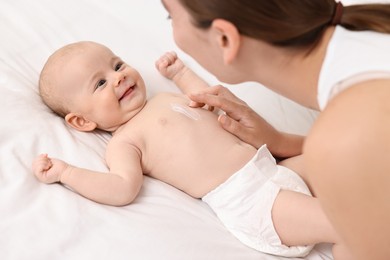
199 176
197 159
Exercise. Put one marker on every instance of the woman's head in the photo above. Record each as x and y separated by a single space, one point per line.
231 37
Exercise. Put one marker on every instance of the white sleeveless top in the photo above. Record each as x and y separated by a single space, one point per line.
352 57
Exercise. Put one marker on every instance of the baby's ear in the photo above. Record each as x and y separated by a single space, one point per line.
80 123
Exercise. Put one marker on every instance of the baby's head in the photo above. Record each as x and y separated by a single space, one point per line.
91 87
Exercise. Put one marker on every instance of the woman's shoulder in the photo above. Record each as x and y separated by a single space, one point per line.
359 113
350 55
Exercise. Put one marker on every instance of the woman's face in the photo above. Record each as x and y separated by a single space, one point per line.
198 43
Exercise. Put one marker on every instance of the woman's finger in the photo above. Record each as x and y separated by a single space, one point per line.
222 99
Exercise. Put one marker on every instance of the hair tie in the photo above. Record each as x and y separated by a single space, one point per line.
337 14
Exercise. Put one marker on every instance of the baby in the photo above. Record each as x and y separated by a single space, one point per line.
266 206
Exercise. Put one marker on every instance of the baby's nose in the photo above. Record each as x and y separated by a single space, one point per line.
119 78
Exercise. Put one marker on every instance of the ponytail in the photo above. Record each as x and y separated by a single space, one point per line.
372 17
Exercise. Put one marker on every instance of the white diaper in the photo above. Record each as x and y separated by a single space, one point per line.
244 203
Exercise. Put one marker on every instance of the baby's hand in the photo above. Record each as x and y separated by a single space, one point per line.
170 66
48 170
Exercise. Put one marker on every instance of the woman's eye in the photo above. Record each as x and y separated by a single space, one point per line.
118 66
100 83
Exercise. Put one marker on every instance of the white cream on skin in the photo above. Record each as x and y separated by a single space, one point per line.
185 110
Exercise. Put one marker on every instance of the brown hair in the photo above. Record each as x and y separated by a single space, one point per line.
298 23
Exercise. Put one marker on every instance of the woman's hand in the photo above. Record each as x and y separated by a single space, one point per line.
243 122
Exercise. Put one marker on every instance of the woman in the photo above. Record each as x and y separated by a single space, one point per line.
324 56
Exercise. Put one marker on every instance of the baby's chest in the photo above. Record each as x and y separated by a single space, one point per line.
173 112
169 123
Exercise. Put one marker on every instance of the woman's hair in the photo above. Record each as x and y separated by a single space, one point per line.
298 23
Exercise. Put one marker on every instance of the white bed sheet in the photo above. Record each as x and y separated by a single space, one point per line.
41 221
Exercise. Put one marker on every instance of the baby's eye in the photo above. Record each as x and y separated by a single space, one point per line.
169 17
118 66
100 83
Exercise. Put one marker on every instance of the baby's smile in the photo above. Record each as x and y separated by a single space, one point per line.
127 92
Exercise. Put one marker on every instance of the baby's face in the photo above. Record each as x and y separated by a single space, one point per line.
100 87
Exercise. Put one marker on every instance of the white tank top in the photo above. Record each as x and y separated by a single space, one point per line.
352 57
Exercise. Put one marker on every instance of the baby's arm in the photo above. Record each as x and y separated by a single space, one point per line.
173 68
118 188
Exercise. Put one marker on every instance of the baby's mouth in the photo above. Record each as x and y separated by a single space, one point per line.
127 92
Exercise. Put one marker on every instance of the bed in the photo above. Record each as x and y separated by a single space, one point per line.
41 221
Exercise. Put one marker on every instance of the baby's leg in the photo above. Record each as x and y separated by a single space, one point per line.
299 220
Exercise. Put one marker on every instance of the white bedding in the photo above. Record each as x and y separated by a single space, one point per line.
41 221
